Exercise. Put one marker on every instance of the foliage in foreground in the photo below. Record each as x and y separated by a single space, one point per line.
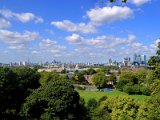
15 85
55 100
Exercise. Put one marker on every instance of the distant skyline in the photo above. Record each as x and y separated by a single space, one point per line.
77 30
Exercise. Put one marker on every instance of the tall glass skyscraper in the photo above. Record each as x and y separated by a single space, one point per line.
139 59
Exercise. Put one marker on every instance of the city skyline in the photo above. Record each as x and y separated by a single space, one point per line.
80 31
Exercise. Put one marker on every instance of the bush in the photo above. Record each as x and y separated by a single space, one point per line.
92 104
145 91
120 84
132 89
128 89
103 98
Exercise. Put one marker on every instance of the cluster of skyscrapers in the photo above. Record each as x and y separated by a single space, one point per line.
138 60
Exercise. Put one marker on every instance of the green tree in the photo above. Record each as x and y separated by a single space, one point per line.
55 100
99 80
119 107
45 77
90 71
15 85
150 110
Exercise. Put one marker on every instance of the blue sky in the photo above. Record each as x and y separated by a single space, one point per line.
77 30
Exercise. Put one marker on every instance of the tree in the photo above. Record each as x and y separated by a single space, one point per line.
123 1
55 100
129 77
45 77
79 78
120 107
15 85
90 71
150 110
91 104
99 80
126 78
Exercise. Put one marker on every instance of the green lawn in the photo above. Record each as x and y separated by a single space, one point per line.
97 95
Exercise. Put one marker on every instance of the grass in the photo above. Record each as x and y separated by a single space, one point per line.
97 95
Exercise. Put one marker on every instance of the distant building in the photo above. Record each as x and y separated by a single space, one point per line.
127 61
143 59
24 63
139 59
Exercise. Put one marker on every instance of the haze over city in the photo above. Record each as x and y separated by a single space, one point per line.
77 30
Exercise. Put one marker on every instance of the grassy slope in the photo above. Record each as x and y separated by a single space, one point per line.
97 95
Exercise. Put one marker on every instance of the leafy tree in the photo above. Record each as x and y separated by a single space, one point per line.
91 104
78 76
120 85
104 70
129 77
123 1
152 61
90 71
15 85
45 77
55 100
150 110
142 75
119 107
99 80
145 90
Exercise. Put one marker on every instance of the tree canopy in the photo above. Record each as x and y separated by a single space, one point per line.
55 100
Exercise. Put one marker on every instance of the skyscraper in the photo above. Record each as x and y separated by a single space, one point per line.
143 59
139 59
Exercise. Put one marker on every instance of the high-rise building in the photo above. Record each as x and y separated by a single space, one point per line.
139 59
127 61
143 59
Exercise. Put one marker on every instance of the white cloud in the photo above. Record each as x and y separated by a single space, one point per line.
51 46
75 39
4 23
103 15
47 43
17 40
35 52
139 2
73 27
107 46
23 17
155 44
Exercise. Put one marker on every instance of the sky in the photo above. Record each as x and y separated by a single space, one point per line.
77 30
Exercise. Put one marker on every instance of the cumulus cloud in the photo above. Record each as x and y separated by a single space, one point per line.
4 23
73 27
17 40
23 17
51 46
103 15
108 45
75 39
155 44
139 2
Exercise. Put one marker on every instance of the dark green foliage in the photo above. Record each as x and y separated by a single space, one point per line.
79 77
90 71
15 85
112 0
57 99
102 99
45 77
120 85
145 90
128 89
91 104
128 77
132 89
